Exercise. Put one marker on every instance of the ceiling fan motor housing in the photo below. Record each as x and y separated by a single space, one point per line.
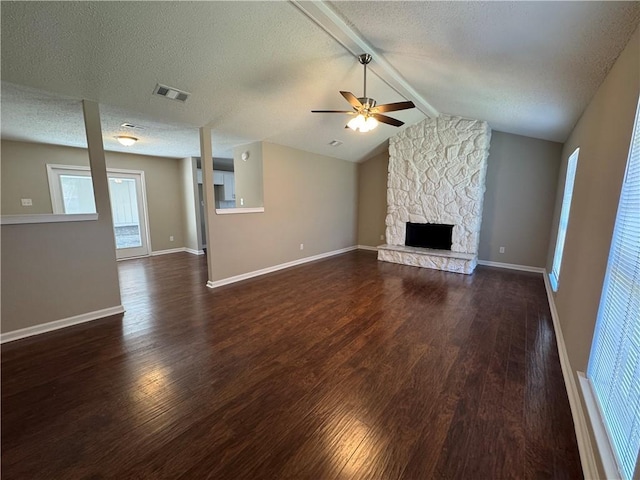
367 103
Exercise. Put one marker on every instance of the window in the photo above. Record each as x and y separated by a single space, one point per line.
71 189
77 194
614 363
554 276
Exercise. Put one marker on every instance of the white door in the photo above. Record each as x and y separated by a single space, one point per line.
128 210
72 192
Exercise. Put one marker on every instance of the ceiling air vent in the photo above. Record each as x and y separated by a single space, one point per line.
171 93
132 126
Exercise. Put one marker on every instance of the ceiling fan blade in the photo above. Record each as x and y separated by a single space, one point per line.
352 99
350 112
387 120
392 107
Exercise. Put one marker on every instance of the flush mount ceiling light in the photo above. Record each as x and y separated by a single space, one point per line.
126 140
367 112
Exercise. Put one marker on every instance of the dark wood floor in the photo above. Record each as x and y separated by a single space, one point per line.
345 368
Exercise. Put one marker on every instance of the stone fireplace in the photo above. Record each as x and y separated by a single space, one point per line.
436 176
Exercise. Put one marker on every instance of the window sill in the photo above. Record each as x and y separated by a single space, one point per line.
46 218
603 443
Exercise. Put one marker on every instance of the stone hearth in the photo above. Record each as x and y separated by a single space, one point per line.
428 258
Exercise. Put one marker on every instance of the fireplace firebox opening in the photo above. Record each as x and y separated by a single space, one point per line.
429 235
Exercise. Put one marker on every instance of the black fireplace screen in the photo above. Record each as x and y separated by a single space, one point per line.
429 235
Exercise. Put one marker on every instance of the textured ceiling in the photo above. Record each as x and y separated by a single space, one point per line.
256 69
526 67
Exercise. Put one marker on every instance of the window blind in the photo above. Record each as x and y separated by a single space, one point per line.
614 363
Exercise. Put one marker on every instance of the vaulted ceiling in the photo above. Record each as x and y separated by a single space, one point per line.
255 70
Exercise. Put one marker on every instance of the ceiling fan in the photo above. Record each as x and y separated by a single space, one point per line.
367 113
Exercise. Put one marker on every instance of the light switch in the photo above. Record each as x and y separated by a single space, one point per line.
26 202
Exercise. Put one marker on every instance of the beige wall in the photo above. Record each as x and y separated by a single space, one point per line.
24 174
53 271
372 199
603 134
308 198
519 199
248 176
162 179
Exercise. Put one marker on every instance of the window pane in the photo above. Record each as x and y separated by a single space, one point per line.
77 194
564 218
124 207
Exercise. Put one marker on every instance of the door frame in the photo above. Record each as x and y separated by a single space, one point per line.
58 206
138 176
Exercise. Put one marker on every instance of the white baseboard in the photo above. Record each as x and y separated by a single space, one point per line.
587 457
58 324
177 250
275 268
367 247
168 251
511 266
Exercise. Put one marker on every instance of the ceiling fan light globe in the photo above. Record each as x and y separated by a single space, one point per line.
356 123
371 123
362 124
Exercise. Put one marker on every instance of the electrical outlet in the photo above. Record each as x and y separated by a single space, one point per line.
501 249
171 238
26 202
381 237
241 201
302 246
